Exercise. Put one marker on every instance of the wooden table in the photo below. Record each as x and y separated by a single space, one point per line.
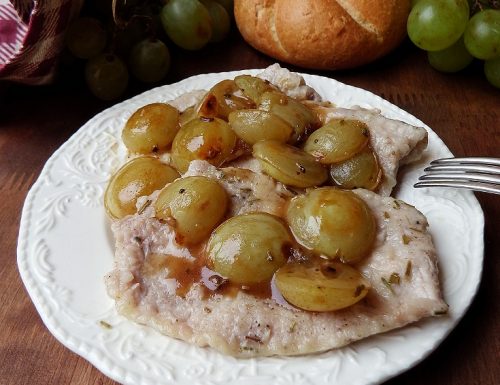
463 109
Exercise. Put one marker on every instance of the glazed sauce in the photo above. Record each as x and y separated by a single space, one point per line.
188 272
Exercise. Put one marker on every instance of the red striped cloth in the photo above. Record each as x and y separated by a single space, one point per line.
32 37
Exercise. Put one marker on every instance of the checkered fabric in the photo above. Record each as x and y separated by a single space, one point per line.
32 36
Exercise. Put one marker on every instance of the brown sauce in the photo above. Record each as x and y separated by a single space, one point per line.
188 272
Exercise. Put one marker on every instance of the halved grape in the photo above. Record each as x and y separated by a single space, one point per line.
338 140
333 222
434 25
321 286
221 99
482 35
298 115
360 171
187 23
150 60
139 177
151 128
253 87
106 76
193 206
452 59
255 125
289 165
86 37
249 248
211 140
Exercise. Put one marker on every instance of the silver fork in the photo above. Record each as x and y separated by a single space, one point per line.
475 173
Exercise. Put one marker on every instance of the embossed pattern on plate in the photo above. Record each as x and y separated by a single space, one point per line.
65 248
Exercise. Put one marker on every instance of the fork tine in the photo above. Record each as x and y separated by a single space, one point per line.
448 167
475 173
469 160
466 177
477 186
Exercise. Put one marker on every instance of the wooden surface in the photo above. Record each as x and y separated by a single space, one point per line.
463 109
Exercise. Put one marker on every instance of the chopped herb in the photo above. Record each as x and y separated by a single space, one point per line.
387 284
396 204
144 206
217 281
359 290
408 270
394 279
406 239
249 348
441 312
207 309
386 215
105 325
291 328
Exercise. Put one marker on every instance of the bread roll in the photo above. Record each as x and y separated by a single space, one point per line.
323 34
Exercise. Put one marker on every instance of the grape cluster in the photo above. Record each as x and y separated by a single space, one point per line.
454 32
132 37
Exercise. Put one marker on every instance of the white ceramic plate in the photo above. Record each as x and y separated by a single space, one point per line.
65 249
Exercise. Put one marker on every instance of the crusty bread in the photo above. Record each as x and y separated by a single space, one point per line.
323 34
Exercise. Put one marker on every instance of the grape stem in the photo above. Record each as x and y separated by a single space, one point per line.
480 5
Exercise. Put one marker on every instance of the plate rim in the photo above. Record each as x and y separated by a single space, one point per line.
52 323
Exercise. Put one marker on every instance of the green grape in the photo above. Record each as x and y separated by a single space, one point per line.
187 23
149 60
434 25
492 71
325 286
126 37
221 22
228 6
106 76
452 59
86 37
482 35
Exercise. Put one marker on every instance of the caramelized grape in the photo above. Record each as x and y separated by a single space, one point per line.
298 115
361 171
315 287
206 139
194 205
255 125
288 164
249 248
139 177
253 87
151 128
221 99
333 222
338 140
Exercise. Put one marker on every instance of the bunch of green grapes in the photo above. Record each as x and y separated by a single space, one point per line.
119 39
454 32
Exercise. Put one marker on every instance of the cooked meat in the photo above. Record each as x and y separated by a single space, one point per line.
243 325
158 282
